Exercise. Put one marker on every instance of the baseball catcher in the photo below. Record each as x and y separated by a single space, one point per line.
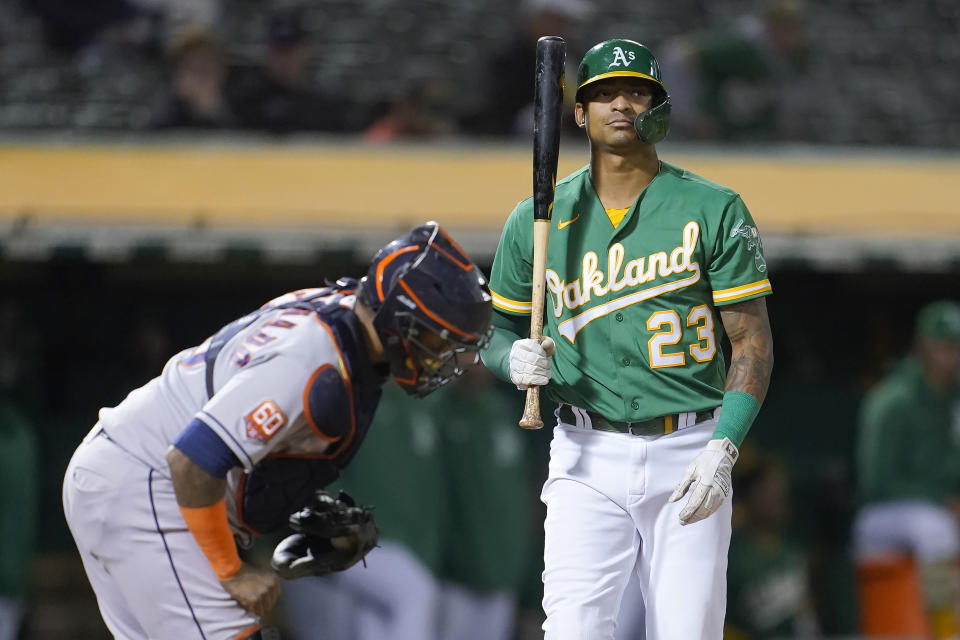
242 430
331 535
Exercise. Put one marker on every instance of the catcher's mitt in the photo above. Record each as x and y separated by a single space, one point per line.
332 535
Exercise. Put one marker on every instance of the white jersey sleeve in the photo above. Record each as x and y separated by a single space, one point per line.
260 378
259 407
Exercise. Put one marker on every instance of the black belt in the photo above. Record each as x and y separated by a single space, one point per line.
651 427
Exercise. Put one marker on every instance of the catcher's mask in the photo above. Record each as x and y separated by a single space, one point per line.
432 308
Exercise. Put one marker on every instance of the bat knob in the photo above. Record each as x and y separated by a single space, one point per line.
531 410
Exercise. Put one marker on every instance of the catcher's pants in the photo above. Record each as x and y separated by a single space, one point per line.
150 577
607 515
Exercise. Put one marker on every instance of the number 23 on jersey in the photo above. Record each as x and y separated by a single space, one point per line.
664 346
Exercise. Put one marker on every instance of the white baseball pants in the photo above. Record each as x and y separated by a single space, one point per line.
150 577
607 515
926 530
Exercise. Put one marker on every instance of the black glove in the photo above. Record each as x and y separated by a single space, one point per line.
332 535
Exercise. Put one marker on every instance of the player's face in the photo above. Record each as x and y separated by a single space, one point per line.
436 352
942 358
438 360
610 107
432 347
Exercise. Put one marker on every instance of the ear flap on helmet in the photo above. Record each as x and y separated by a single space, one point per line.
653 126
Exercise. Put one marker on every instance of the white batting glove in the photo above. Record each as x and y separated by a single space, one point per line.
530 362
709 475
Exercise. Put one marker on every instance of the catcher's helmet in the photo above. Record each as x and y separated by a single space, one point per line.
423 283
619 58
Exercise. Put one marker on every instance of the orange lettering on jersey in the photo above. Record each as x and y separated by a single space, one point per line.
264 421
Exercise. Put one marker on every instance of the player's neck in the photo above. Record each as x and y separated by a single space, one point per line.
620 179
370 336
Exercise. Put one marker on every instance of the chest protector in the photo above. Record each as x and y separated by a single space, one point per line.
281 484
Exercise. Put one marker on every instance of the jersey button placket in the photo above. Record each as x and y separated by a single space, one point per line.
619 317
626 362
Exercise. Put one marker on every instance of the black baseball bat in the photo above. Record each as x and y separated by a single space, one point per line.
547 108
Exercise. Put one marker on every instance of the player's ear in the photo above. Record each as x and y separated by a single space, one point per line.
579 115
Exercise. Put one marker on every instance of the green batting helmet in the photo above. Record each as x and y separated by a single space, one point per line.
627 58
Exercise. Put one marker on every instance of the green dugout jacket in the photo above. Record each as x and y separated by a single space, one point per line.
907 445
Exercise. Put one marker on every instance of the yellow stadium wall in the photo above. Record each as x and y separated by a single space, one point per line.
354 186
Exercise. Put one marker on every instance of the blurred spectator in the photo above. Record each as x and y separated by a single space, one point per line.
909 465
277 95
176 14
409 117
19 462
768 581
396 595
489 493
745 83
73 26
195 97
507 77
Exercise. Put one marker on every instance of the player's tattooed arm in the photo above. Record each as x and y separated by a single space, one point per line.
751 362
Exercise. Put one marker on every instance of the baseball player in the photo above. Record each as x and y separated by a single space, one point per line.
908 448
236 434
649 268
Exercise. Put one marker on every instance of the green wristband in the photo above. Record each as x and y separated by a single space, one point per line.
738 412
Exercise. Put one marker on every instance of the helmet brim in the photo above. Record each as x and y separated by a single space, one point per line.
619 74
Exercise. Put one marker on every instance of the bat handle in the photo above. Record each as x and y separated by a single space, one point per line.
541 235
531 410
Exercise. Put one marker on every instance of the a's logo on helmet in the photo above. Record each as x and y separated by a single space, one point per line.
621 58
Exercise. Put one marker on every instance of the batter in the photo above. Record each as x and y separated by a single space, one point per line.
650 268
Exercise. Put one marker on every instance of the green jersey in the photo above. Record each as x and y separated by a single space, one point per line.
908 443
488 485
399 470
633 308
